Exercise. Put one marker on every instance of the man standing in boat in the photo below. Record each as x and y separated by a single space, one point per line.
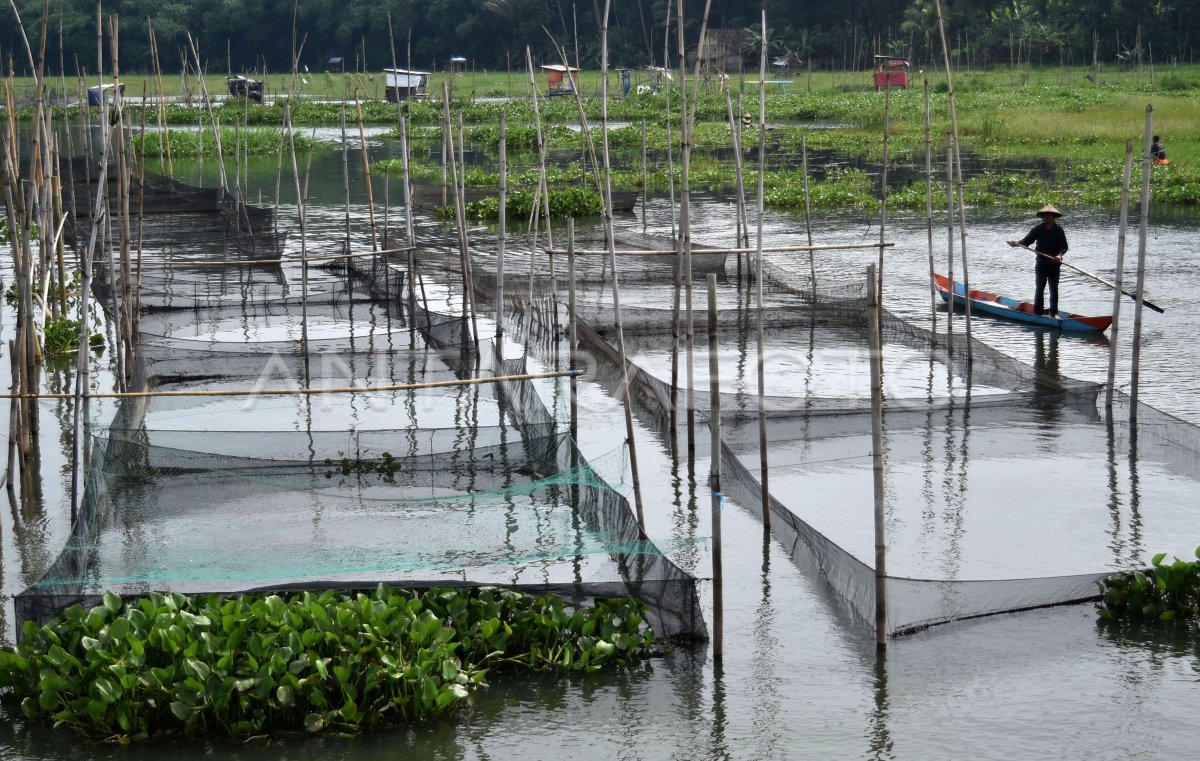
1050 242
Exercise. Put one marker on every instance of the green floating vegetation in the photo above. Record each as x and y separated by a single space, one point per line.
255 141
564 203
329 662
1163 592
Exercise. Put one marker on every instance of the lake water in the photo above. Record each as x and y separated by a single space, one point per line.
800 677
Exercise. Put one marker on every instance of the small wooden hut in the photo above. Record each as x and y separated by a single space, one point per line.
561 80
890 71
402 84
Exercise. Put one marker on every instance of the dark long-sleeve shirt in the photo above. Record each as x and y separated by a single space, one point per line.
1047 240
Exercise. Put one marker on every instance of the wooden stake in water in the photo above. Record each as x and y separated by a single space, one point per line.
626 390
874 339
933 295
883 188
812 263
287 121
503 230
1139 290
714 424
758 291
950 247
366 162
1117 280
346 175
739 185
645 182
572 336
956 172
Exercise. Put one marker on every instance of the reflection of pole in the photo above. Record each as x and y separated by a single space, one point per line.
1112 346
714 424
877 458
1143 223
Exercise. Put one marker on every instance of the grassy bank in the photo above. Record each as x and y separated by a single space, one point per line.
1055 135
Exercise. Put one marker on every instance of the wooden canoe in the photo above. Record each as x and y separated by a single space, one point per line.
1021 311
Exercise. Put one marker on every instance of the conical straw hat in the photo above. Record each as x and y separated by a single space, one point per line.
1049 209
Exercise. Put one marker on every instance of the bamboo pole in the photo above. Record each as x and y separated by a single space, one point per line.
1139 289
883 188
82 375
645 182
300 210
933 295
572 335
717 250
345 175
366 161
462 205
626 390
763 472
298 391
460 218
500 311
739 184
957 165
676 243
714 424
873 316
950 248
812 263
685 233
1120 274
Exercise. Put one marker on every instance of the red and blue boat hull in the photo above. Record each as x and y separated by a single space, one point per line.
1021 311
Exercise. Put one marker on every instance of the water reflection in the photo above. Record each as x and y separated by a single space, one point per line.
880 734
1048 392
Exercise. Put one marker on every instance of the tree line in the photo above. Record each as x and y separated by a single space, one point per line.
256 35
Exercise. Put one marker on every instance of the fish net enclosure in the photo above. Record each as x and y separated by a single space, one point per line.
400 474
1006 488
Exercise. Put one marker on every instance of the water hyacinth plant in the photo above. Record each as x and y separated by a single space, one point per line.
255 141
1163 592
333 661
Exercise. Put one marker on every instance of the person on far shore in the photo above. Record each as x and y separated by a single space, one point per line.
1049 239
1157 151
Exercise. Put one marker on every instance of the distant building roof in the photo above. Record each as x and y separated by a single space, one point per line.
337 59
457 59
559 67
404 71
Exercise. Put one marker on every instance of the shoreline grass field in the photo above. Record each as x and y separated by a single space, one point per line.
1071 124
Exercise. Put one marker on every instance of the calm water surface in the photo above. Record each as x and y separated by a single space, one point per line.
800 678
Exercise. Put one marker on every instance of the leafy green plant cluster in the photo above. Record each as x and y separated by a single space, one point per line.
1163 592
332 661
565 203
255 141
62 338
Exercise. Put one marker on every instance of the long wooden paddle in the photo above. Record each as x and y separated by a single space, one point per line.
1097 278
